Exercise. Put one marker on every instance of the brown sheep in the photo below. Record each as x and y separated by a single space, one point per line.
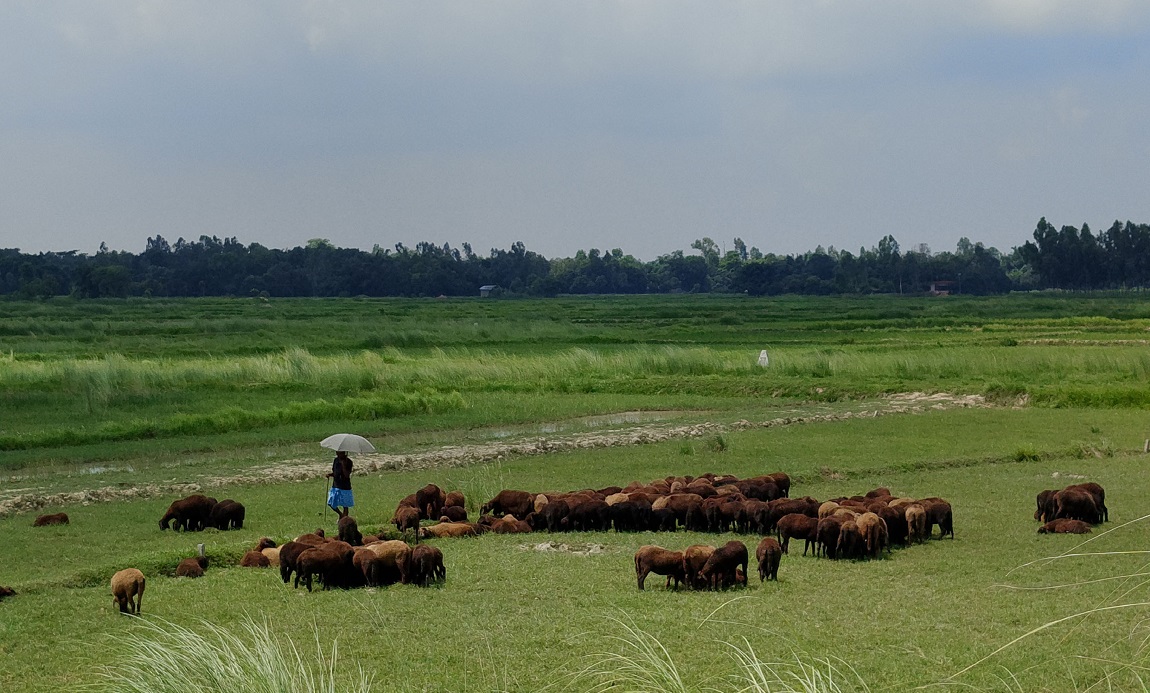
314 538
6 592
799 527
453 513
288 555
349 531
873 531
694 558
128 590
331 561
255 559
827 536
1045 503
189 514
192 567
851 543
265 543
509 525
720 569
227 514
1097 493
454 499
46 520
448 530
1065 526
938 512
655 559
917 529
508 502
273 556
769 554
392 564
430 500
426 565
406 518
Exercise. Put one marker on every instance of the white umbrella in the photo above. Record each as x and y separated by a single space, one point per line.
348 442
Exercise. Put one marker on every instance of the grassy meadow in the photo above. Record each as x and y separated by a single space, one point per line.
140 393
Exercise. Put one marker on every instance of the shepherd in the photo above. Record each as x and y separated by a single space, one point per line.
339 498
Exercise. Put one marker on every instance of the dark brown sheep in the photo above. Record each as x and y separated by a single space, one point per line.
719 570
227 514
454 499
265 543
1045 503
1077 504
1097 493
331 561
55 519
1065 526
426 565
508 502
192 567
938 512
255 559
798 526
782 481
785 506
827 536
769 554
128 590
851 543
430 500
189 514
6 592
453 513
349 531
694 558
289 553
655 559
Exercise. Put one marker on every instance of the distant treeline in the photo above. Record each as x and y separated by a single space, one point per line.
1066 258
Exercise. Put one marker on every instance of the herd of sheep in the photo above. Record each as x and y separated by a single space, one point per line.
856 527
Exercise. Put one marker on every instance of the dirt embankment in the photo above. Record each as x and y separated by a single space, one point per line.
464 455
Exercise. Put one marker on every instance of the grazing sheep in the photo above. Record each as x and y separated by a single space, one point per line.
655 559
273 556
189 514
406 518
288 555
426 565
874 533
314 538
917 528
454 499
192 567
769 554
46 520
797 526
827 536
1065 526
1097 493
227 514
694 558
720 569
349 531
851 544
128 590
1045 503
332 562
265 543
938 512
430 500
1077 504
392 565
255 559
6 592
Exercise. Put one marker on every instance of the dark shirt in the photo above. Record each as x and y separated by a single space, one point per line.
340 475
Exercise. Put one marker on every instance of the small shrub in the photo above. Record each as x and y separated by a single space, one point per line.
1027 454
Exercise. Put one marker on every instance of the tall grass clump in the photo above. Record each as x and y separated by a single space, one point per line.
159 656
641 664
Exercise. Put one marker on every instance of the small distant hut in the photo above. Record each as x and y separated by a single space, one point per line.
486 289
941 287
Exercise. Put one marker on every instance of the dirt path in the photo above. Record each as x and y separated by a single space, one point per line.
460 456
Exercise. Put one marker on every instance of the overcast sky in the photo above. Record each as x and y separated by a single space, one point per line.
570 125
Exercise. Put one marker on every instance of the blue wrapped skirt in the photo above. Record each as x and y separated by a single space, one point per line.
340 498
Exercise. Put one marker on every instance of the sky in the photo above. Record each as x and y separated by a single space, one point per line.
639 125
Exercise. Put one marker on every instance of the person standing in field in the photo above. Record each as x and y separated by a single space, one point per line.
339 498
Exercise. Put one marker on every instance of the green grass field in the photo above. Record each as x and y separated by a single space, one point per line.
140 395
